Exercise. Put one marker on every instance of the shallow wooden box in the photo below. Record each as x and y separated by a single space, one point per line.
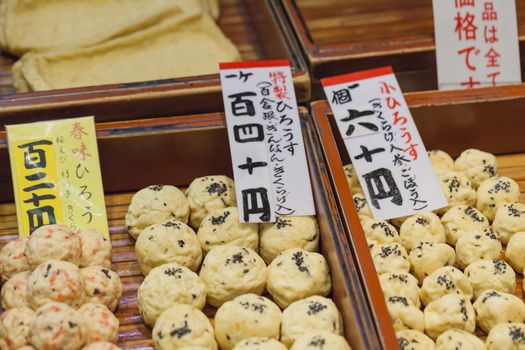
489 119
175 150
258 28
342 36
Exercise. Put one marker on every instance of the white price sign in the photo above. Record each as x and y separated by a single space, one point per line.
383 142
266 143
476 43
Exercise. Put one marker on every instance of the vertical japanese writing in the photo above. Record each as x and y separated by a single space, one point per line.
383 143
281 136
466 29
268 154
38 189
66 181
250 161
56 162
81 153
402 148
492 56
476 43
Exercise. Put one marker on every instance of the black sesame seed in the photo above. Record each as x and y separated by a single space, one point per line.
106 272
219 220
182 331
315 307
282 223
156 188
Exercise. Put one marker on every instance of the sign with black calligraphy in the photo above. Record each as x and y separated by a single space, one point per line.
383 143
56 175
266 143
476 43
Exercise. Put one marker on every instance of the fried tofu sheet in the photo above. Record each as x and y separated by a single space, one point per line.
38 25
185 45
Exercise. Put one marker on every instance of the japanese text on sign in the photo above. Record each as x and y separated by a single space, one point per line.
476 43
383 143
56 175
268 156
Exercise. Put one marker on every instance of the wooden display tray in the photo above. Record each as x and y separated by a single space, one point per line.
175 150
258 28
340 36
489 119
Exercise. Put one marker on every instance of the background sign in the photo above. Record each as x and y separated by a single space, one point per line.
476 43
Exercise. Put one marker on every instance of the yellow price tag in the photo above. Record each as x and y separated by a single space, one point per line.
56 175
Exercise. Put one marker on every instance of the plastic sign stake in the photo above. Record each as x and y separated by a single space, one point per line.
476 43
56 175
383 142
266 143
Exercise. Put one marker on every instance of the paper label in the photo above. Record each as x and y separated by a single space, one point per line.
383 143
56 175
476 43
266 143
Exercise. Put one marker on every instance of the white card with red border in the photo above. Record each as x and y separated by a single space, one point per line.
383 142
266 143
476 43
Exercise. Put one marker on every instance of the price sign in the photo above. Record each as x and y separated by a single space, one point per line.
56 175
383 142
266 143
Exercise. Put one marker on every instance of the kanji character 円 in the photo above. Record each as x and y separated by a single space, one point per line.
255 201
375 183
